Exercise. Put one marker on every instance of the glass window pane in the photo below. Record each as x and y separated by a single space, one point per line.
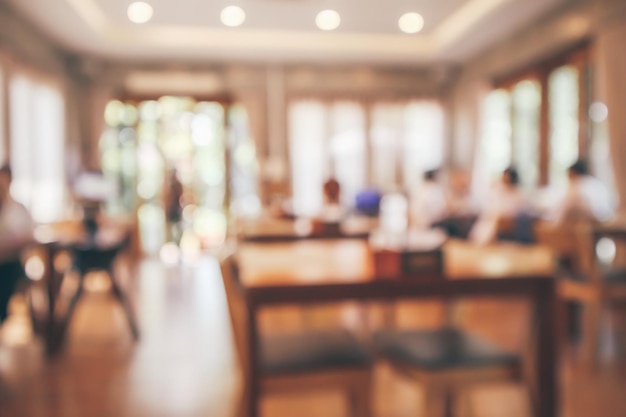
347 147
387 127
244 166
526 99
423 141
307 133
563 93
496 148
48 154
21 112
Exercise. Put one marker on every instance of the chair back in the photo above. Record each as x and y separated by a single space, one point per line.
237 308
572 242
518 228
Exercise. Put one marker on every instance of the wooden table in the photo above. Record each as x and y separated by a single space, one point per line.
68 237
269 229
323 271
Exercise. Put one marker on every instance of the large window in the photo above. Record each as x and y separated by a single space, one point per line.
37 115
526 103
387 145
541 122
206 145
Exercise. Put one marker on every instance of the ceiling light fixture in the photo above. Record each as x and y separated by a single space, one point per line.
328 20
140 12
233 16
411 22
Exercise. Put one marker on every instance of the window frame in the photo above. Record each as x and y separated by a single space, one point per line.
577 56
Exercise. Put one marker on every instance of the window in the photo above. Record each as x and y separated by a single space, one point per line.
547 112
37 117
147 142
496 147
244 165
526 103
307 121
564 103
404 139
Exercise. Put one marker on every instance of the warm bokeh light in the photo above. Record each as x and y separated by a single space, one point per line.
140 12
598 112
411 22
606 250
328 20
35 268
233 16
170 254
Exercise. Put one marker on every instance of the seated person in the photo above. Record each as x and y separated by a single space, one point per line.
15 234
367 202
461 202
331 212
428 203
586 197
506 200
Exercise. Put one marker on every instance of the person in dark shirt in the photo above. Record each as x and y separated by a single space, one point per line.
15 234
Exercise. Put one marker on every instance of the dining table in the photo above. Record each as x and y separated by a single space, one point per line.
66 240
273 229
319 271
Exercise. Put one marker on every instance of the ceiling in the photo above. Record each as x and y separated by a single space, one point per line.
284 30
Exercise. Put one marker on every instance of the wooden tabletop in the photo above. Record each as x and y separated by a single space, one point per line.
73 233
351 261
271 229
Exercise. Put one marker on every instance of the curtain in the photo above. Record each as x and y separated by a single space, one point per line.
611 88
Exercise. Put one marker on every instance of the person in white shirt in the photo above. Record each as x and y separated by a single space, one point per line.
16 232
428 203
506 200
586 197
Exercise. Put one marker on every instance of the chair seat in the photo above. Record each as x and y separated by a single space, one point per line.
575 276
312 351
441 350
615 276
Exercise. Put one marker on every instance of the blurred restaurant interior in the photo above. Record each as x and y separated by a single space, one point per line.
312 208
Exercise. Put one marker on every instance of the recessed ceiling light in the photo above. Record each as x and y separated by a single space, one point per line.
411 22
233 16
140 12
328 20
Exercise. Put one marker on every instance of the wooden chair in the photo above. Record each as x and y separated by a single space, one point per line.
516 229
89 257
608 291
585 284
447 361
309 360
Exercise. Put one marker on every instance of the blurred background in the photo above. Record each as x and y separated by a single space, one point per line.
159 131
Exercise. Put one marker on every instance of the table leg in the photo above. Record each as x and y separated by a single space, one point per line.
546 389
50 332
251 374
591 335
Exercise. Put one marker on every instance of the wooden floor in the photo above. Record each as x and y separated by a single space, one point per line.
185 366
